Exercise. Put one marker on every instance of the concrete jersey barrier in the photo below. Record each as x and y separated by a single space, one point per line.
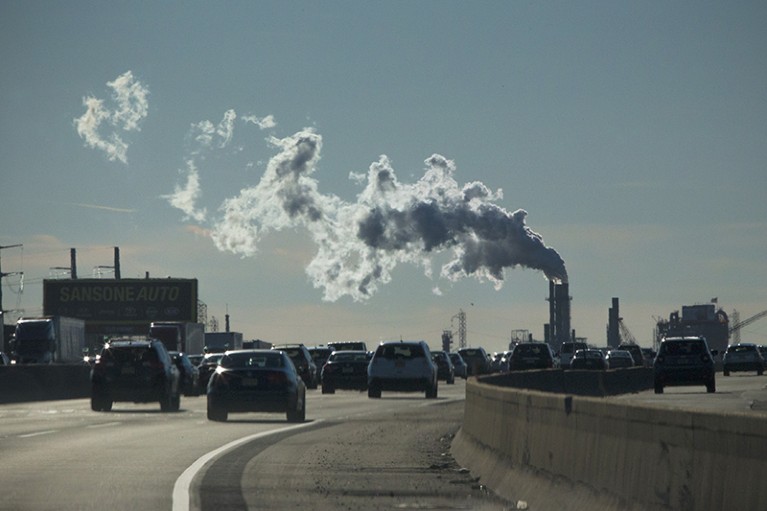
564 452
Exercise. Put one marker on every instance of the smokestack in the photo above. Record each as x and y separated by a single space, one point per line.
227 322
73 263
117 263
554 338
613 335
562 294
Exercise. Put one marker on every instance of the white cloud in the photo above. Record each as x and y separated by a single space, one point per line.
263 123
208 135
185 197
132 106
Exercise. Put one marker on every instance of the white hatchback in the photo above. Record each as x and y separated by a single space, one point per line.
402 366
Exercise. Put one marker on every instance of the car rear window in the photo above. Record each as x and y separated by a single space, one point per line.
682 348
528 350
740 349
393 351
125 355
346 356
471 354
572 347
260 360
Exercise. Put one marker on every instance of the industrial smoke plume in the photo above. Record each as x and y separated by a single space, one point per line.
359 243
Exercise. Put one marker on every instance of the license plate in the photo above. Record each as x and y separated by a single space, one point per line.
250 382
128 370
399 363
347 370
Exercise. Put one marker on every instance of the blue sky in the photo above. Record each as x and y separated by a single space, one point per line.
634 135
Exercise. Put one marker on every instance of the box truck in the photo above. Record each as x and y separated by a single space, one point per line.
48 339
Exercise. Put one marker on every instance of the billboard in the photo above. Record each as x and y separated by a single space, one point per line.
121 302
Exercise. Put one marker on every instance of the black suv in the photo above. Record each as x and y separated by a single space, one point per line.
138 371
684 361
302 359
531 355
476 360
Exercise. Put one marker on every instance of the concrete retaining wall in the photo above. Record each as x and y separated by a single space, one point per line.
559 451
42 382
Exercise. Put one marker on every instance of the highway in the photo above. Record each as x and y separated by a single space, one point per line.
352 452
737 393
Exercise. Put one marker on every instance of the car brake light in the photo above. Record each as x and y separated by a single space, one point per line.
276 377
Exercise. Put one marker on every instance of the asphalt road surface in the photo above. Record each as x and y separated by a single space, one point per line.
739 393
352 453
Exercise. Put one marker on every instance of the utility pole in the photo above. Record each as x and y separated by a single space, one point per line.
2 311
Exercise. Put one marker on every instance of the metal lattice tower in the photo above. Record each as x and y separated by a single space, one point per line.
202 313
461 328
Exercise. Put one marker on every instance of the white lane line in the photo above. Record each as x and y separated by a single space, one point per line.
39 433
181 496
104 425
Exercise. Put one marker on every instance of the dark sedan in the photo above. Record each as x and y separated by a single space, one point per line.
345 370
256 381
588 359
445 369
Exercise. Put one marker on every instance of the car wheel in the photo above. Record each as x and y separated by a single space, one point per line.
97 404
299 414
374 391
175 403
727 372
166 401
711 386
327 389
432 393
216 414
100 401
451 381
658 388
759 372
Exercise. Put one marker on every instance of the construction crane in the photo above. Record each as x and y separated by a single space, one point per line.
626 335
735 329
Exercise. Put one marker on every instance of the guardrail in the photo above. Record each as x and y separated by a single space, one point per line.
32 382
572 452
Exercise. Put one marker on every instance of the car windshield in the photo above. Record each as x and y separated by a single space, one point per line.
259 360
681 347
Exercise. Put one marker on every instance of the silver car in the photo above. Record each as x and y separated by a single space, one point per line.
402 366
743 357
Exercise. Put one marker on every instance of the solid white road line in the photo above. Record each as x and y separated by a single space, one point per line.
181 496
